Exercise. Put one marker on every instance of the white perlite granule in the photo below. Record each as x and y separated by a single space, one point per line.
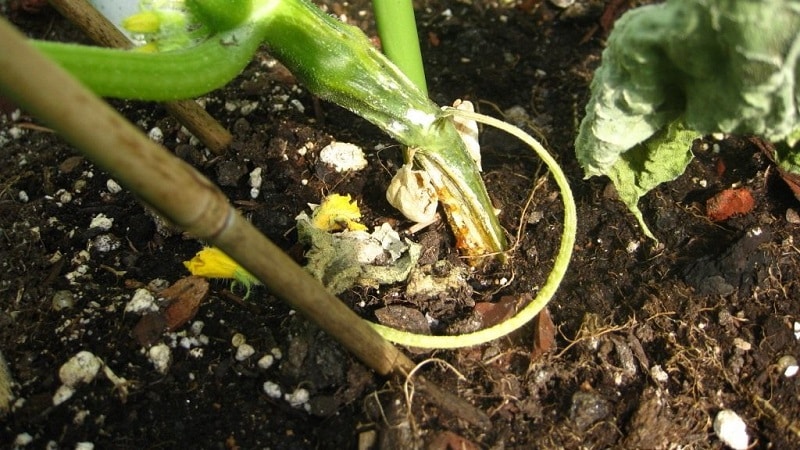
731 429
343 157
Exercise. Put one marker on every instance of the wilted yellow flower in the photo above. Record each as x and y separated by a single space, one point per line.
163 27
336 213
143 22
150 47
211 262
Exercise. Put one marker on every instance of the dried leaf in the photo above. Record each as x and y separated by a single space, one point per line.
412 193
544 334
183 301
492 313
184 297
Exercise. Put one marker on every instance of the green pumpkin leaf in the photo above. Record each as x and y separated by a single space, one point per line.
662 158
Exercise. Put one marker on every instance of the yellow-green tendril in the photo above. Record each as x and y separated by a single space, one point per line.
553 280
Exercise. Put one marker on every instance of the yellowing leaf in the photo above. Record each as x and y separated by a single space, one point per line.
336 213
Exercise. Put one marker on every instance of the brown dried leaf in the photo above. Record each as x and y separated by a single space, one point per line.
792 180
767 148
544 334
184 297
492 313
183 300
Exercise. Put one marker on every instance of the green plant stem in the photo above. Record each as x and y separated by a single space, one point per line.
463 197
175 75
338 63
188 112
397 29
553 280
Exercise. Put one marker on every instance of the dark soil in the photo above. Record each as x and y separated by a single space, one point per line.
652 340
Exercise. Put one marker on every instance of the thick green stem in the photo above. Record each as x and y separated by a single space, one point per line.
338 63
463 196
175 75
397 29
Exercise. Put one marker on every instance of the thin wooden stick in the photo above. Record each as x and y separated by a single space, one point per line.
210 132
178 192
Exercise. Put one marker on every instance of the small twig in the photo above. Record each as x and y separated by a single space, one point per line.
191 115
523 219
408 385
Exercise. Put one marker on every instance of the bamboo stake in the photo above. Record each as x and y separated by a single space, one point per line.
178 192
187 112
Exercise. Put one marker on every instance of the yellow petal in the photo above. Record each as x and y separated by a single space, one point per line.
356 226
143 22
211 262
150 47
336 213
